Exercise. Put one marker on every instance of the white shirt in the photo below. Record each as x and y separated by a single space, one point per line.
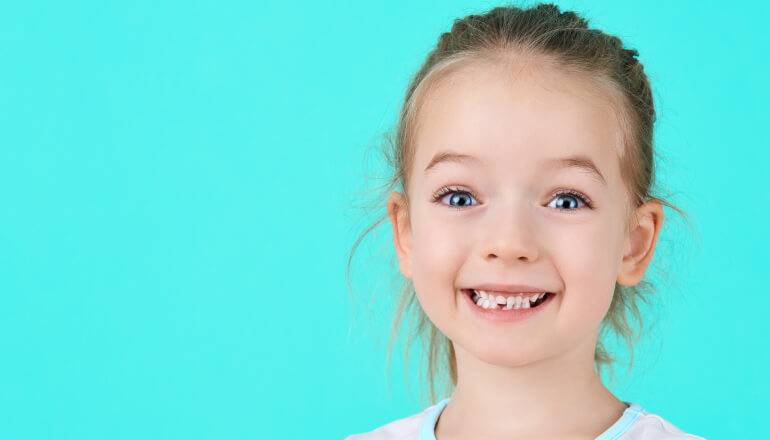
634 424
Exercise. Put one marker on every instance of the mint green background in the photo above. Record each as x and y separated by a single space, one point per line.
171 173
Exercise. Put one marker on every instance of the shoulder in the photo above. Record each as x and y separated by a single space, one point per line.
649 426
407 428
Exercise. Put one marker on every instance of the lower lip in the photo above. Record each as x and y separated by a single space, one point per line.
500 315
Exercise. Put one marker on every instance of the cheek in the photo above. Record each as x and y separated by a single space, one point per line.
588 265
439 249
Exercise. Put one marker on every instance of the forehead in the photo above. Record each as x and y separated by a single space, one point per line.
507 115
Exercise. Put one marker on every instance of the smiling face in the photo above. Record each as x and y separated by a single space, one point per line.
523 155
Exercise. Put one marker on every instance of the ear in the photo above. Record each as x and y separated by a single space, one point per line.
640 243
402 231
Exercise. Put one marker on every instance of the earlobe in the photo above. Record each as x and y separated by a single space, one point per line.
640 243
402 232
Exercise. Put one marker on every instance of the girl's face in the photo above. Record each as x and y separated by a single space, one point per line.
513 143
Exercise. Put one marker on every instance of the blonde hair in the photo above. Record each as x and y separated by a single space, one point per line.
564 40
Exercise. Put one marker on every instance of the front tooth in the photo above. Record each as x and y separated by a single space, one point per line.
500 299
511 300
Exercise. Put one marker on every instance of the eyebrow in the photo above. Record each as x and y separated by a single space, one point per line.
450 156
579 161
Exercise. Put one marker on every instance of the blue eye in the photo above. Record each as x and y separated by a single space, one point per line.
570 201
461 198
566 200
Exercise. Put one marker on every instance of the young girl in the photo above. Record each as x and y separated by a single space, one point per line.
525 222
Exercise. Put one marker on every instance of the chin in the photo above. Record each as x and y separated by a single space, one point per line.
508 354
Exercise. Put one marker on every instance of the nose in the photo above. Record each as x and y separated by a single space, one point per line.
510 235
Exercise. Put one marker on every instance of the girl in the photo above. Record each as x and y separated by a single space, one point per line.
525 222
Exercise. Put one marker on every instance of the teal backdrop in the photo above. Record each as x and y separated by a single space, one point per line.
177 182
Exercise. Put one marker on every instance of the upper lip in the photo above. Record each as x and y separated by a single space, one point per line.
509 288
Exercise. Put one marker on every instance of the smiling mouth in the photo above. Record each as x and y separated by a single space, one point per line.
501 301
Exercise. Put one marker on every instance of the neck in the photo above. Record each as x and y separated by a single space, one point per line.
558 397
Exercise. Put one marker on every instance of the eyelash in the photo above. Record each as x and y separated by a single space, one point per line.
562 191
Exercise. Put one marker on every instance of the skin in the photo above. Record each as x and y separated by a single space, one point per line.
533 379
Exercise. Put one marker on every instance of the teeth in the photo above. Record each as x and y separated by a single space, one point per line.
503 300
489 300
